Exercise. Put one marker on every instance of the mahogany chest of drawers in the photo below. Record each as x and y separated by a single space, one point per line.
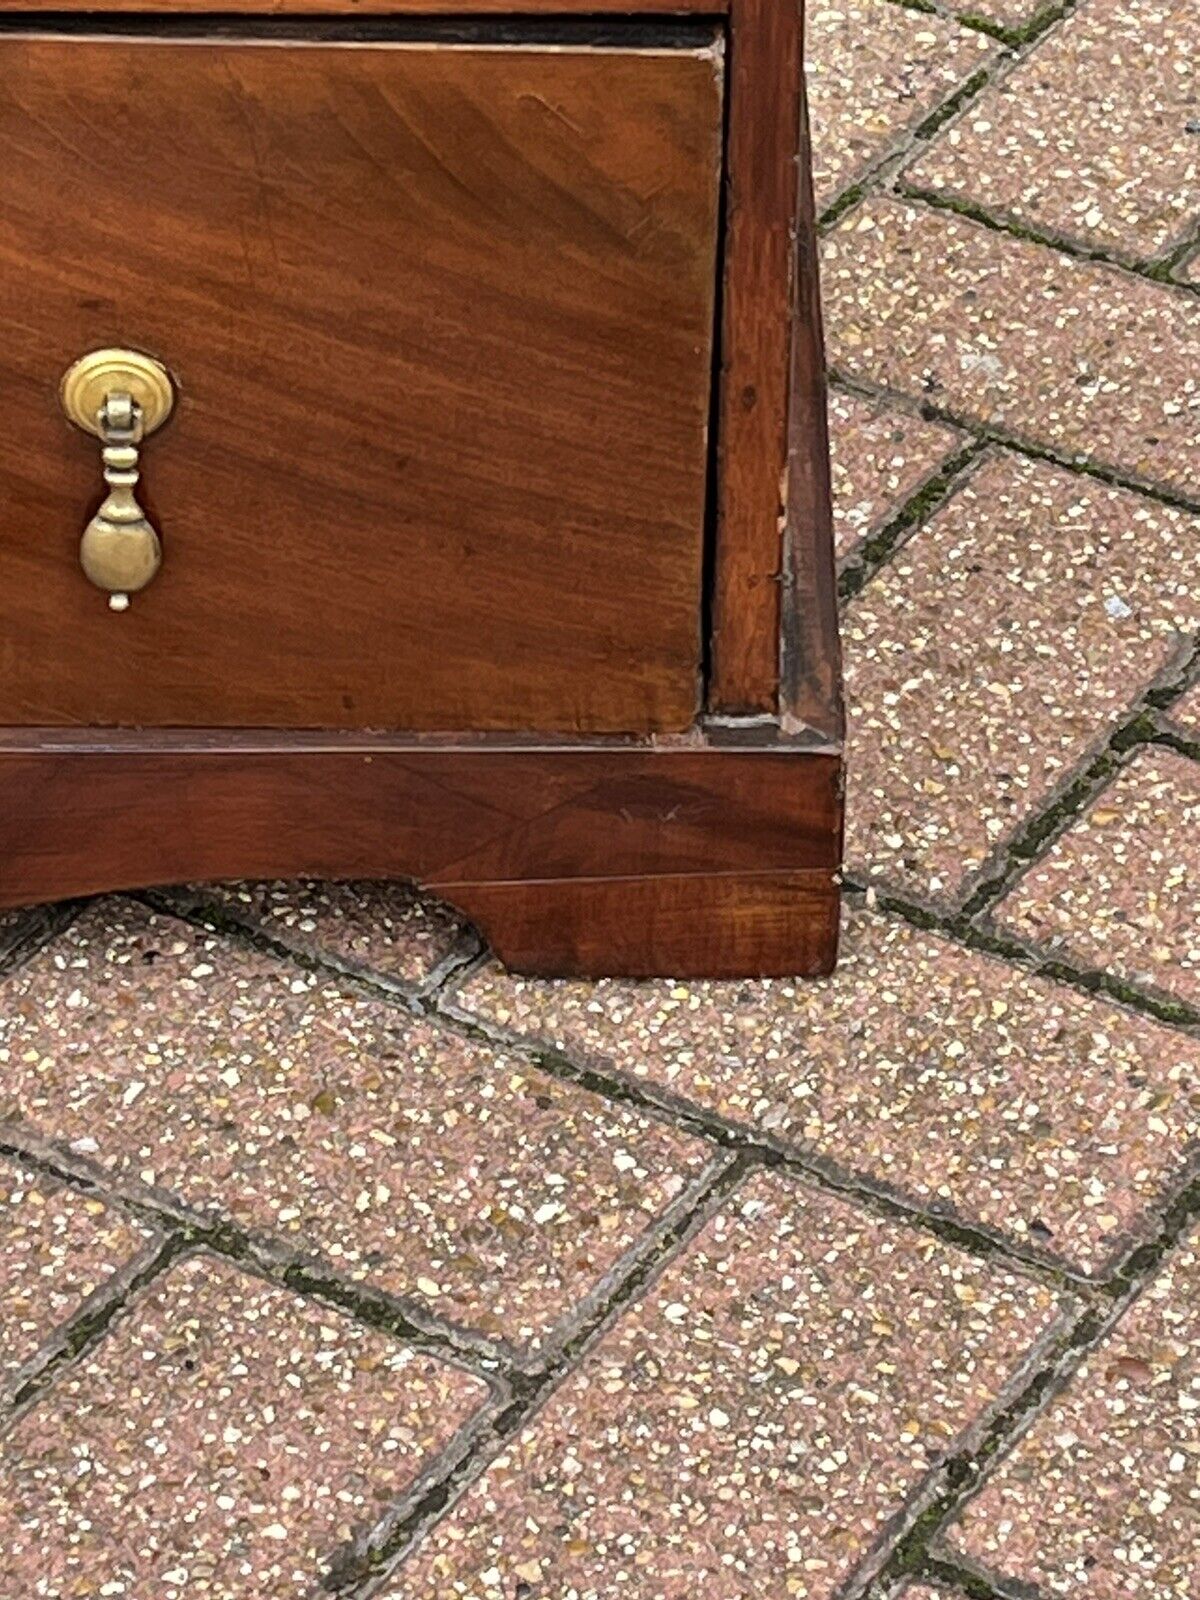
416 467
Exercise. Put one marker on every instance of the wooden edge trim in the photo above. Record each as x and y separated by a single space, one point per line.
589 859
761 925
765 67
811 661
444 10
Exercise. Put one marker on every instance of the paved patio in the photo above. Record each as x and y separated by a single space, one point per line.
333 1258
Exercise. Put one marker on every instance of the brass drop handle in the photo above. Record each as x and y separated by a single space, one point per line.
120 396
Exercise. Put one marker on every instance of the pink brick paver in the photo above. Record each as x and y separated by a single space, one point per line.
987 659
881 457
1088 137
753 1425
384 929
1101 1497
57 1247
962 1083
404 1154
1121 889
1186 711
225 1438
1070 355
875 72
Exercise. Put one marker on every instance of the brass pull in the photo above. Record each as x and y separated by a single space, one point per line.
120 396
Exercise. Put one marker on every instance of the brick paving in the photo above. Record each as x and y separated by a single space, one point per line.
382 930
1089 137
1121 888
373 1141
967 1088
1010 634
766 1369
881 458
58 1249
1102 1491
878 72
1066 355
1186 710
335 1259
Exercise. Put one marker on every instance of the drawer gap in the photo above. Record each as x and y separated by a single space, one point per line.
598 33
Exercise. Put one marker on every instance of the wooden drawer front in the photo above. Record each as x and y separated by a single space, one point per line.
440 318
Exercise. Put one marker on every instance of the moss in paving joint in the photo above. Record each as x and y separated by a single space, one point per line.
1139 729
895 154
1030 841
1013 228
84 1331
1095 981
529 1391
1163 269
676 1113
924 8
846 201
276 1261
936 1569
988 433
964 1472
1142 1264
381 1312
994 30
1183 744
991 941
1019 39
941 115
877 550
771 1153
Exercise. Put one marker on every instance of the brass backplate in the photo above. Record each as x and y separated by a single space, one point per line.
90 380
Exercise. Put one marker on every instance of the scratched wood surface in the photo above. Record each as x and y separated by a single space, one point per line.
613 858
441 323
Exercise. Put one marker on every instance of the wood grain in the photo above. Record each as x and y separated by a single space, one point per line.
358 8
811 664
765 70
441 321
614 857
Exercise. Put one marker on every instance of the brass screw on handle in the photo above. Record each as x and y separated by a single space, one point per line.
120 396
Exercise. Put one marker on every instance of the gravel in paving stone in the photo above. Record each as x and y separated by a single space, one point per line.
876 71
225 1438
403 1154
383 928
968 1086
1121 889
881 457
57 1247
1003 642
1071 355
1091 136
752 1426
1186 712
1102 1496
